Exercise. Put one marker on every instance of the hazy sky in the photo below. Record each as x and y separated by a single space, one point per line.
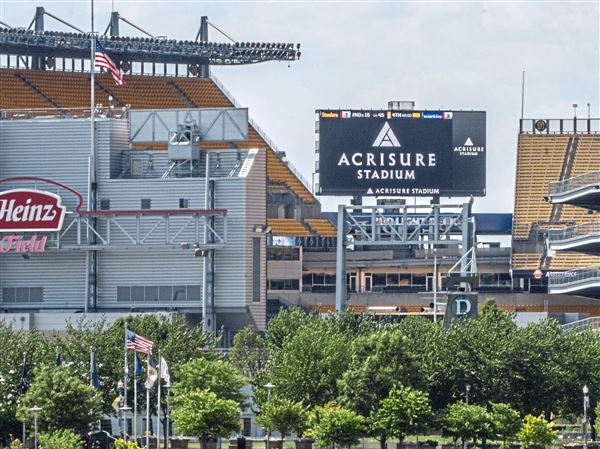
442 55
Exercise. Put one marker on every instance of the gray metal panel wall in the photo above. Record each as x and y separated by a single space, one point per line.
61 274
59 150
255 205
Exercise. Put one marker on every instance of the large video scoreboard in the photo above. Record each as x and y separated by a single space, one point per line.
401 153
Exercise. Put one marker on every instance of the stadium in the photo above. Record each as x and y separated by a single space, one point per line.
180 203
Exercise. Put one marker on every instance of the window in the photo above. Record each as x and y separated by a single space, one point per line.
378 279
418 279
284 284
184 203
256 268
392 279
146 203
105 204
22 295
106 426
307 279
283 253
155 293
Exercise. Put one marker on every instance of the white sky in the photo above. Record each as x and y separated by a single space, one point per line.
443 55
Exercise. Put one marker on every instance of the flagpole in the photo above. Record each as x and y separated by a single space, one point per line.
24 362
125 375
147 404
135 394
167 417
158 402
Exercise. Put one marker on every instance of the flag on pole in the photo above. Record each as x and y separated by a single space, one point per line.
139 343
25 375
152 373
138 366
95 381
165 374
102 60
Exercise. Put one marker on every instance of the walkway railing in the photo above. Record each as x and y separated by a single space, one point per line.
571 232
564 278
560 126
591 323
577 182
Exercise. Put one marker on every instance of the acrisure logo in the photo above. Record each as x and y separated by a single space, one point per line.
469 148
386 138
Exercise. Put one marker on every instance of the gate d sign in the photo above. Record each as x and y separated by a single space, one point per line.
462 306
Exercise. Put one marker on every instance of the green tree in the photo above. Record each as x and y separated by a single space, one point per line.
203 414
334 425
306 364
467 421
249 353
60 439
536 433
505 420
14 344
284 416
66 401
379 361
217 376
404 412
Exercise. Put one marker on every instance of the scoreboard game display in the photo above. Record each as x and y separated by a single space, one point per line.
401 153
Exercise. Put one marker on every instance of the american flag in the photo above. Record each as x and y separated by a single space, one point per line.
102 60
139 343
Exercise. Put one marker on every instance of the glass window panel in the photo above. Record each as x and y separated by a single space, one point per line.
123 294
330 279
318 278
378 279
137 293
151 293
179 293
392 279
8 295
193 293
36 294
22 294
165 293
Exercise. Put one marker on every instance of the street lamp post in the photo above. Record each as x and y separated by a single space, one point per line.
124 410
467 390
36 413
269 388
586 403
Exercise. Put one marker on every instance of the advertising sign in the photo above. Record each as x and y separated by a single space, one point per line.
402 153
28 211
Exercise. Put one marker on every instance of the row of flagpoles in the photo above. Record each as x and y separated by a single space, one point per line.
154 373
140 344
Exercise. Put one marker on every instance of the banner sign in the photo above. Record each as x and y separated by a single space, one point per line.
24 210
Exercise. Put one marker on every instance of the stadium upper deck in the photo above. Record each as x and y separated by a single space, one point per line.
549 151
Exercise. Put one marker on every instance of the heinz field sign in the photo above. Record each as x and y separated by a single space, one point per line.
401 153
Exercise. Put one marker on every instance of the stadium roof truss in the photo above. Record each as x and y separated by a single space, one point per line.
39 43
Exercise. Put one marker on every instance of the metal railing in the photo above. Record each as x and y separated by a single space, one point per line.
51 113
591 323
564 278
577 182
560 126
571 232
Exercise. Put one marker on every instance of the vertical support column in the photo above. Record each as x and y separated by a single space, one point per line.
38 62
204 68
465 239
340 261
208 300
114 24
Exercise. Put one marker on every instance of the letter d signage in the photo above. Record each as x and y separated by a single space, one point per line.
460 305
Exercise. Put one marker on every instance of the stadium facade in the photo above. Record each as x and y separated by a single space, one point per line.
259 237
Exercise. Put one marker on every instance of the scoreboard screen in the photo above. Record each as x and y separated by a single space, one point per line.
401 153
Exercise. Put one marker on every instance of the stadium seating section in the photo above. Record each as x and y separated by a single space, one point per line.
287 227
541 160
28 89
321 226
